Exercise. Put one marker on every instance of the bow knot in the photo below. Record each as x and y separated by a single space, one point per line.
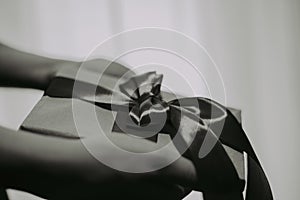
145 97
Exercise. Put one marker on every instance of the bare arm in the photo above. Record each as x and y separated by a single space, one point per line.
49 166
22 69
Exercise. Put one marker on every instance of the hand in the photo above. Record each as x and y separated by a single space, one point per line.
97 181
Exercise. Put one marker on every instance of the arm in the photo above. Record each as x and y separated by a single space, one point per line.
49 166
22 69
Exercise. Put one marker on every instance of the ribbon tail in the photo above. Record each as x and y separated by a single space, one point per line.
216 172
234 136
214 165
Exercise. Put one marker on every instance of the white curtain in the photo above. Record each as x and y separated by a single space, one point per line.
255 44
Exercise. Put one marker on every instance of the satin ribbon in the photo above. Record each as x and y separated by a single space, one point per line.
203 127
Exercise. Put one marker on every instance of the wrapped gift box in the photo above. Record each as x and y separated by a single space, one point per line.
54 116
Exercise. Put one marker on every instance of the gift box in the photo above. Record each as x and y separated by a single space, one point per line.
115 94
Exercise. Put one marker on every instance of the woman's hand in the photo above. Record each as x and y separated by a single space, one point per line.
86 177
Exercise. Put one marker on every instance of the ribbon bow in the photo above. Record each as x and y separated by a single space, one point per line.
144 96
141 94
203 126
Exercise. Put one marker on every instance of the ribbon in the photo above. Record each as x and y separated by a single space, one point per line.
203 126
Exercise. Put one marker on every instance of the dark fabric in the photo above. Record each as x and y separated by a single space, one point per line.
223 196
234 136
3 195
198 121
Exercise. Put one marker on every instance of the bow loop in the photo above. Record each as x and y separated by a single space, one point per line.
202 110
137 86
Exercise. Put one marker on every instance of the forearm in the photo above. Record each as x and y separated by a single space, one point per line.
27 158
22 69
46 166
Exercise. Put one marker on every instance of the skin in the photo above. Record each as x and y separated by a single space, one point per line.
58 168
